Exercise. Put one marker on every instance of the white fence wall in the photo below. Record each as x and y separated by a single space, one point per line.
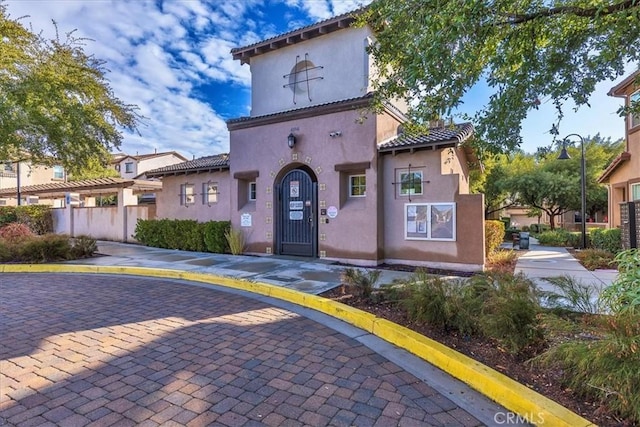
103 223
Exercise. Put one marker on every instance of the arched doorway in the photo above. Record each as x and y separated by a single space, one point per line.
296 222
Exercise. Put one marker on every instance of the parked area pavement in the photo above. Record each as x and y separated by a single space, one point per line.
153 339
107 350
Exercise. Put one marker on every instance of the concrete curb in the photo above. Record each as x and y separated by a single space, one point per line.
531 406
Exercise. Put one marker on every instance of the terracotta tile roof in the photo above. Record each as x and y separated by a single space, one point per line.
621 158
436 138
86 186
202 164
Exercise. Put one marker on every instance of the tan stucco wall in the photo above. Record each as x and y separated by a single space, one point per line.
168 200
467 251
344 73
264 149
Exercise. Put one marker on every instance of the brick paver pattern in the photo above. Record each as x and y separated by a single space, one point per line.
90 350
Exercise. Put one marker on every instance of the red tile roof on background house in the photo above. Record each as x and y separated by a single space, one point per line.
203 164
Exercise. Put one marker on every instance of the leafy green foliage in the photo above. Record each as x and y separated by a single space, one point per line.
360 282
623 295
500 306
37 249
560 237
95 167
37 217
430 53
609 240
56 102
604 368
187 235
214 236
494 233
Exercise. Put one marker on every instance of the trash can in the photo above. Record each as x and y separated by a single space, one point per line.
524 240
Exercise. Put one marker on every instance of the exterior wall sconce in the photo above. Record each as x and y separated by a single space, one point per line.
291 140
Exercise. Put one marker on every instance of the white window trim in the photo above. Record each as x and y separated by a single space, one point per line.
409 193
351 185
186 198
252 194
422 230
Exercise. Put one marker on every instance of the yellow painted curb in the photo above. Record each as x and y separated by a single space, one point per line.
529 405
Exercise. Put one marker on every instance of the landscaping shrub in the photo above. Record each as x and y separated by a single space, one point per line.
571 295
188 235
214 236
38 217
83 247
235 239
7 215
557 237
14 232
609 240
494 234
509 310
538 228
360 282
593 259
604 368
50 247
624 293
503 260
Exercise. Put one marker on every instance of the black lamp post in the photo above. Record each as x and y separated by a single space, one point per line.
583 181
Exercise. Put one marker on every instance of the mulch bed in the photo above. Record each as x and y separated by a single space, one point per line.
543 380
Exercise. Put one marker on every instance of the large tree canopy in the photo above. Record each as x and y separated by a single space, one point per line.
430 52
55 102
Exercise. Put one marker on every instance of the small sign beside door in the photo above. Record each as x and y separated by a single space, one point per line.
332 212
245 220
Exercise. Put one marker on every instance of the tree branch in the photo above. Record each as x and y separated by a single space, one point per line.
515 19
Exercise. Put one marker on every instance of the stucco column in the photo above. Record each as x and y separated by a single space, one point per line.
68 219
125 198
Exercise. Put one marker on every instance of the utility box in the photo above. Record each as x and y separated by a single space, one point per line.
524 240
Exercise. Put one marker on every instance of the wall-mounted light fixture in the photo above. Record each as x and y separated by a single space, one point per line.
291 140
335 134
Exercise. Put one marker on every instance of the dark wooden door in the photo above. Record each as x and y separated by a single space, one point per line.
297 218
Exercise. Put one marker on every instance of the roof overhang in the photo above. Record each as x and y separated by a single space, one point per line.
619 89
620 159
207 169
336 23
101 186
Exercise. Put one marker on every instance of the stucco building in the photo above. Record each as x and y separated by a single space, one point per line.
622 176
312 172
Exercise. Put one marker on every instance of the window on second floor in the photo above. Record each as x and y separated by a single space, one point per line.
410 182
252 191
128 167
634 119
58 172
187 194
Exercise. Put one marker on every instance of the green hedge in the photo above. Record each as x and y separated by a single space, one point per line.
37 217
493 235
183 234
609 240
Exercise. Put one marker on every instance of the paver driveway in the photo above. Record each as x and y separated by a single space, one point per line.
81 350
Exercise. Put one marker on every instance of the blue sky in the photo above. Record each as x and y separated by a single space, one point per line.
172 59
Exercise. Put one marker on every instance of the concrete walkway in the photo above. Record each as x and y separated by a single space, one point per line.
541 262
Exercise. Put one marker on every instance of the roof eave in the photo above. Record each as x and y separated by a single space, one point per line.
620 159
618 90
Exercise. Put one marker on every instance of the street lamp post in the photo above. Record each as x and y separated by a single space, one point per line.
583 182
